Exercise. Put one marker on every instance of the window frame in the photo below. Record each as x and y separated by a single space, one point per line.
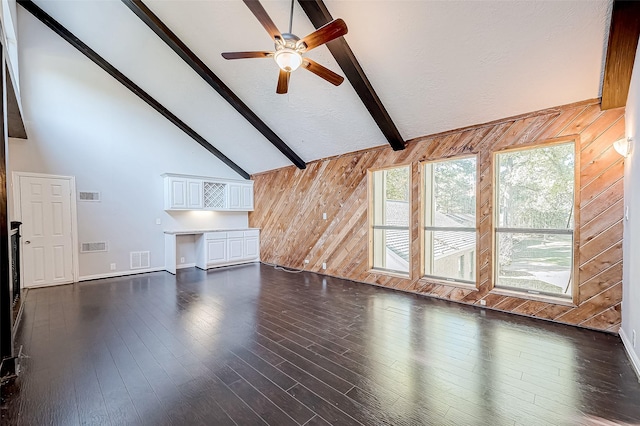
575 258
371 227
423 227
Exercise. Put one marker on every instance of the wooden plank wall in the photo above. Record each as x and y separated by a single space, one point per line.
290 203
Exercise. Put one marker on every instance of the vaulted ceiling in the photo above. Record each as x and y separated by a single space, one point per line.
435 66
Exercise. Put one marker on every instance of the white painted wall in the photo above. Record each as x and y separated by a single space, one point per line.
631 245
83 123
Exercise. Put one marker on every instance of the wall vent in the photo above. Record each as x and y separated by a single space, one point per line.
139 259
89 196
93 247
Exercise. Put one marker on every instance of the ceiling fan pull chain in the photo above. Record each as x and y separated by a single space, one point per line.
291 18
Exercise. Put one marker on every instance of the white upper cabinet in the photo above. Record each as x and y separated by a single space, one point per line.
206 193
194 194
182 193
235 194
247 198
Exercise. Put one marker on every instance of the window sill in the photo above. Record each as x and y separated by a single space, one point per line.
389 273
537 297
430 280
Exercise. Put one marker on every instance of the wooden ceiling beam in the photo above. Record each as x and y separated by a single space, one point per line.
319 15
56 27
621 52
181 49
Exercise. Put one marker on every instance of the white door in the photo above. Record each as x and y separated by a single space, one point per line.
247 197
216 251
234 196
251 247
178 193
194 188
47 243
234 249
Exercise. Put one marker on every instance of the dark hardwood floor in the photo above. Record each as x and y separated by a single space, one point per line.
253 345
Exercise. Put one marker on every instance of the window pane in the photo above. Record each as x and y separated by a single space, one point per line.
451 255
390 190
535 188
452 186
391 197
535 262
391 249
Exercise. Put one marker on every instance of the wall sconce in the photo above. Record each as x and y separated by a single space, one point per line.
623 146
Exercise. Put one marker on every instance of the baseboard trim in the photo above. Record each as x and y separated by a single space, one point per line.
120 274
186 265
633 357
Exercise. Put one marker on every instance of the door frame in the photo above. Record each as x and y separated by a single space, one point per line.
17 208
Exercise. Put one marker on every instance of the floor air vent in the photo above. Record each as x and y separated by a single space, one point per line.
89 196
139 259
92 247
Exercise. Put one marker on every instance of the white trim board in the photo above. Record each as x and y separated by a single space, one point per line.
633 357
185 265
119 274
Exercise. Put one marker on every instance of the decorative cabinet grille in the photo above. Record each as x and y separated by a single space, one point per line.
214 195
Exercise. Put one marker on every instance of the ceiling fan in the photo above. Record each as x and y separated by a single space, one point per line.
289 49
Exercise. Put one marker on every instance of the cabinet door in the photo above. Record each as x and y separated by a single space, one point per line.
194 194
235 249
216 251
251 248
247 197
234 195
177 193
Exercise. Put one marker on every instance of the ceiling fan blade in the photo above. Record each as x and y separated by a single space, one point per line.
258 11
322 72
283 82
245 55
324 34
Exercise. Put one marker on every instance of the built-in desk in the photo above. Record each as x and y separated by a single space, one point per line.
215 247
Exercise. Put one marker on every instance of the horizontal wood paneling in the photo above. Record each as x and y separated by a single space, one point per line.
290 203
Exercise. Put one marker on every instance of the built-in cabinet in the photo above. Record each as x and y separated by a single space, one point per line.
215 247
221 248
184 192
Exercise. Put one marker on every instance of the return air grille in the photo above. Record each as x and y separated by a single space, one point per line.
139 259
93 247
89 196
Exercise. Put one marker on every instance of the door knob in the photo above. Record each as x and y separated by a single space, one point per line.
27 242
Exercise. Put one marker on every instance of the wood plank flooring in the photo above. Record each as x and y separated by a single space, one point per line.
252 345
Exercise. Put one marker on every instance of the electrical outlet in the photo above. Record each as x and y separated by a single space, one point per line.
324 265
633 338
483 302
112 266
306 261
324 216
182 260
158 221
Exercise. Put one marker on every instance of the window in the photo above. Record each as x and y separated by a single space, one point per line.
390 212
450 220
535 204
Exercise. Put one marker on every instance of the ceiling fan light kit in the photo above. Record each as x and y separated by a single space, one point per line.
289 48
288 54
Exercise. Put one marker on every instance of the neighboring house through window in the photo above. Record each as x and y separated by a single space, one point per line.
389 219
450 220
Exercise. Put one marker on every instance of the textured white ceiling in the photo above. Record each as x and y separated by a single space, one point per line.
436 66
